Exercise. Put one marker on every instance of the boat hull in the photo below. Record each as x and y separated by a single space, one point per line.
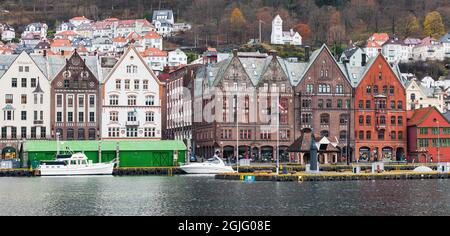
196 169
95 169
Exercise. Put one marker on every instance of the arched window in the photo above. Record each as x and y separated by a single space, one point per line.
361 120
149 100
400 135
382 120
381 135
80 134
393 120
361 135
368 120
70 134
393 136
324 133
369 90
375 89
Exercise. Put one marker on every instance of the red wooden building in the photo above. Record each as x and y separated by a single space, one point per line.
380 113
428 136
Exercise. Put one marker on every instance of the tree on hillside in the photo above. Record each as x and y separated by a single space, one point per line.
304 30
433 25
237 22
409 26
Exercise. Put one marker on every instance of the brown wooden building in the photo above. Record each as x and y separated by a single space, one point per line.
76 101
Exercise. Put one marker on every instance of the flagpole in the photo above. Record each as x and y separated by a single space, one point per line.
237 129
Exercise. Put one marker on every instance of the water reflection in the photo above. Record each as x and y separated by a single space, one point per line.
200 195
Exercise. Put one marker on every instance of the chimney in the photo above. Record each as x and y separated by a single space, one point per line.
235 52
273 53
364 59
307 53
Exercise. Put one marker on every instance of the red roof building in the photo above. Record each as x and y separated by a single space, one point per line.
428 136
380 114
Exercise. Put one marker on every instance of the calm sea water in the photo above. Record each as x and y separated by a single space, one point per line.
200 195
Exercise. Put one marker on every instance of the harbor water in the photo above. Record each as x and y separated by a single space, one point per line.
204 195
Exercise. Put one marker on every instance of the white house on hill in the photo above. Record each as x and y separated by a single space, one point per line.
280 37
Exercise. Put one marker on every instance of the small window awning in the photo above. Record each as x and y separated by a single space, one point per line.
8 107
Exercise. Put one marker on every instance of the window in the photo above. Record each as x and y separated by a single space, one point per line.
375 89
127 84
3 132
131 116
325 119
361 135
23 132
91 101
368 135
343 120
136 84
391 90
400 135
23 115
118 84
23 99
149 100
24 82
306 118
393 120
368 120
91 116
33 132
360 104
59 100
70 134
382 120
368 105
69 116
80 101
361 120
339 89
58 116
339 103
329 103
369 90
385 88
131 100
423 142
114 116
413 96
33 83
320 104
266 135
113 132
132 132
400 105
324 133
400 120
113 100
14 82
381 135
393 135
92 134
145 84
66 83
70 100
43 133
80 134
35 117
81 117
35 99
246 134
343 135
306 103
150 132
27 69
392 104
9 99
309 88
150 116
423 130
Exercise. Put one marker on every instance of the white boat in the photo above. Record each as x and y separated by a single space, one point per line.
75 164
214 165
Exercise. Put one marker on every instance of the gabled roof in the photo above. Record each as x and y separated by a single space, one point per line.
67 33
61 43
420 115
132 48
152 35
154 52
79 18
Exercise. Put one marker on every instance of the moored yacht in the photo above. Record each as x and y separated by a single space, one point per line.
74 164
214 165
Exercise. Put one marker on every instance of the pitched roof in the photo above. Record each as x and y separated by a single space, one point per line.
420 115
79 18
67 33
61 43
154 52
119 40
152 35
381 37
373 44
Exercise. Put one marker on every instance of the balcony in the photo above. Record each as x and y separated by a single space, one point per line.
132 123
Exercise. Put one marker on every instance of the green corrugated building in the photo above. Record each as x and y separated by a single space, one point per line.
131 153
